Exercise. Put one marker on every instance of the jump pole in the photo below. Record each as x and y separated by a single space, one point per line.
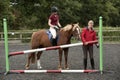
6 44
101 45
53 71
48 48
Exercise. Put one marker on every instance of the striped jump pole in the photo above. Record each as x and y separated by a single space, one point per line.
48 48
53 71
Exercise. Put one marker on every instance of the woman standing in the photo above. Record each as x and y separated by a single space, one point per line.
54 23
88 34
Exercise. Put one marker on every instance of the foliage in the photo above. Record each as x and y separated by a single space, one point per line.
34 14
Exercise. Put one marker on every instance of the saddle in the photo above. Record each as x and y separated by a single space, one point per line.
53 41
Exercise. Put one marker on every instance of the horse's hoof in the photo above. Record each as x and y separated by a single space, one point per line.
59 68
39 67
26 67
67 68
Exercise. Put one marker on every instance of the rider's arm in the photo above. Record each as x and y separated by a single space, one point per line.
59 24
49 23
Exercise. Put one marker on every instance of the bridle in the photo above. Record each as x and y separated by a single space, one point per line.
77 32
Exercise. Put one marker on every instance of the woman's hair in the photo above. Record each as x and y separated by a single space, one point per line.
90 21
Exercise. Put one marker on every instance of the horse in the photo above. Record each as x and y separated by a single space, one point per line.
40 39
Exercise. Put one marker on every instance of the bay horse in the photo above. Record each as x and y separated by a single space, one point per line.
40 40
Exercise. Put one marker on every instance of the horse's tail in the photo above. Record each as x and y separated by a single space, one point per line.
33 57
33 46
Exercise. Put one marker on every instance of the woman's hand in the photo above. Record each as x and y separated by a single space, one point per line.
97 45
86 43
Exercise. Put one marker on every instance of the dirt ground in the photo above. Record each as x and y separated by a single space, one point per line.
49 60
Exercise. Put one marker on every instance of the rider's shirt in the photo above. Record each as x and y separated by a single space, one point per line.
54 18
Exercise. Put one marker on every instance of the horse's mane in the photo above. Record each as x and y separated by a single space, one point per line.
67 27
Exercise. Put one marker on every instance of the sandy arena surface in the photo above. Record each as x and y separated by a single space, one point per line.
49 60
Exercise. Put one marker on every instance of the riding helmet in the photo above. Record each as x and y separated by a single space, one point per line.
54 9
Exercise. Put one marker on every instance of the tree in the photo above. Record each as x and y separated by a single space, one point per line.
33 14
4 12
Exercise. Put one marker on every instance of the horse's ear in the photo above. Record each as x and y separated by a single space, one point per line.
72 25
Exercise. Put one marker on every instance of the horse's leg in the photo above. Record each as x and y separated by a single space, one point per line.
60 59
38 60
31 59
66 58
28 61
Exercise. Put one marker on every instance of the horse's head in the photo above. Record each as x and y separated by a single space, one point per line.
76 30
72 29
